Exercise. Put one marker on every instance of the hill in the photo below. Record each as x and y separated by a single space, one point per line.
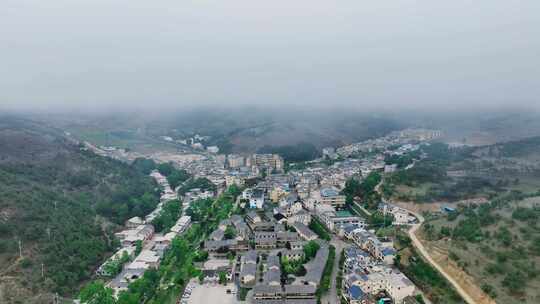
61 203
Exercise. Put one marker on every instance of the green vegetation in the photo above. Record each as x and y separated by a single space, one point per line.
296 267
339 277
230 233
114 266
310 250
402 161
429 280
319 229
496 243
201 183
144 165
62 202
177 267
327 273
428 181
520 148
378 220
300 152
96 293
364 190
170 213
242 293
175 177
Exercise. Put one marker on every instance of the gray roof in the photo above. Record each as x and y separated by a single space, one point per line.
217 235
316 267
217 244
235 219
300 301
273 261
304 230
303 289
272 275
287 236
250 256
267 289
248 269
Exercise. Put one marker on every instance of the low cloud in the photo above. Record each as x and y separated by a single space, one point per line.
121 54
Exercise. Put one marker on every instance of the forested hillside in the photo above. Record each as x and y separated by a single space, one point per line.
62 203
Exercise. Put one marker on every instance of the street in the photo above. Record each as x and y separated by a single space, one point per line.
331 297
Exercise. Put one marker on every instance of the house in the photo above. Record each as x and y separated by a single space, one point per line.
297 245
294 292
304 232
182 224
265 240
284 237
399 287
330 196
316 267
333 219
257 199
212 149
247 194
247 274
103 270
134 222
217 235
267 292
272 277
248 268
148 257
278 192
293 254
220 248
256 222
356 258
301 216
381 250
130 236
355 295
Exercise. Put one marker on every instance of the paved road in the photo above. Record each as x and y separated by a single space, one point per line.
420 247
331 296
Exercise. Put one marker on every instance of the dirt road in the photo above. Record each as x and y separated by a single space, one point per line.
422 250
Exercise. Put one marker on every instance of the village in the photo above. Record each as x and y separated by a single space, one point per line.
293 236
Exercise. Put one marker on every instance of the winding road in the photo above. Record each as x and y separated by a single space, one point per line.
420 248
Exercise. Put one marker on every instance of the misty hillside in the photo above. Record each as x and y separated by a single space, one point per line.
232 129
62 203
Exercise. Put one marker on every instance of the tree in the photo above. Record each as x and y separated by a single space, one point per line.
310 250
229 233
514 281
96 293
222 277
165 169
144 165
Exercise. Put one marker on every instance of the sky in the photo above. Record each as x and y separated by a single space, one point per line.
104 54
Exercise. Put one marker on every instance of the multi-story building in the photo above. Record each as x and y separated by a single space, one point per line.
330 196
235 161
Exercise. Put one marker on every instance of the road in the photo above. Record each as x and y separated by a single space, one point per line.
420 248
331 296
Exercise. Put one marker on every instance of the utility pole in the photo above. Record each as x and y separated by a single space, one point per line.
384 215
20 248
